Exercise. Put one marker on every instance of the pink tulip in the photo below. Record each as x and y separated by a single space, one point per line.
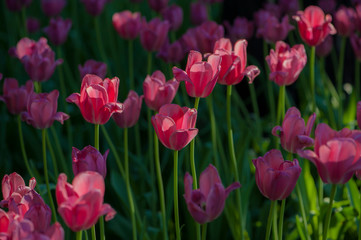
58 30
174 126
16 97
356 45
313 25
233 63
24 47
174 15
241 29
294 134
286 63
84 197
275 177
200 77
153 34
32 25
198 13
131 111
52 8
324 49
273 30
207 34
41 110
89 159
345 21
359 114
171 53
93 67
38 213
94 7
97 100
17 5
158 5
127 24
336 154
206 203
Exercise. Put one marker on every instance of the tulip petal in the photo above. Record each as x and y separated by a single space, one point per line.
193 57
232 187
181 138
108 211
208 178
188 181
215 201
74 98
251 72
275 131
61 117
88 181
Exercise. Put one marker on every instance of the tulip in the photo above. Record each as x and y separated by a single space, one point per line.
127 24
233 63
157 5
84 197
175 126
356 45
206 203
328 6
24 47
17 5
32 25
52 8
345 21
89 159
200 77
275 177
39 214
272 30
97 100
153 34
286 63
336 154
58 30
359 114
189 40
16 97
171 53
294 134
174 15
41 110
313 25
289 6
131 110
241 29
93 67
158 92
94 7
324 49
207 34
198 13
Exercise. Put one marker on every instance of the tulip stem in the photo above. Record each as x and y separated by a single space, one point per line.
101 226
280 225
274 223
96 136
204 231
281 104
213 129
303 212
175 187
160 186
52 154
329 211
94 236
37 86
233 155
151 162
130 197
45 163
359 221
22 146
340 78
269 221
269 85
79 235
312 77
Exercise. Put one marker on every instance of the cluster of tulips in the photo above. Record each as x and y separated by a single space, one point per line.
212 59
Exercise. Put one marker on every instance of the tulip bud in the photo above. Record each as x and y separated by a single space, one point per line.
198 13
89 159
154 34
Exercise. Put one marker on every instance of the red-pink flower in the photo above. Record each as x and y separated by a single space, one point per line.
200 77
42 110
157 5
16 97
275 177
93 67
127 24
154 34
286 63
324 48
356 45
313 25
58 30
80 204
336 154
345 21
206 203
131 110
94 7
97 100
175 126
198 13
241 29
174 15
89 159
233 63
294 134
52 8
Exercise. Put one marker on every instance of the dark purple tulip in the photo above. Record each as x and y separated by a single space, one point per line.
153 34
58 30
174 15
52 8
198 13
94 7
131 111
93 67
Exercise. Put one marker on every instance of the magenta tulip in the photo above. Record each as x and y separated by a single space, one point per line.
93 67
206 203
94 7
89 159
273 30
157 5
207 34
32 25
198 13
345 21
52 8
174 15
17 5
275 177
324 48
58 30
154 34
171 53
241 29
131 111
356 45
127 24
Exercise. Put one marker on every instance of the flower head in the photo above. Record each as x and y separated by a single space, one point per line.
89 159
131 111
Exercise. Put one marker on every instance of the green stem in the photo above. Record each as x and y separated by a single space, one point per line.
357 80
302 208
101 226
340 79
94 236
78 235
99 40
22 146
213 129
45 163
149 65
312 77
96 136
274 223
160 186
233 155
269 221
204 231
130 197
280 225
329 211
320 200
37 86
269 86
175 187
281 104
52 154
130 62
151 162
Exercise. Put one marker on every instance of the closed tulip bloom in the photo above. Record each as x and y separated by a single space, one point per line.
158 92
52 8
84 197
313 25
16 97
206 203
273 30
241 29
42 110
294 134
356 46
154 34
200 77
32 25
198 13
358 114
175 126
233 63
275 177
17 5
207 34
336 154
345 21
189 40
97 100
174 15
286 63
157 5
127 24
171 53
58 30
89 159
324 49
131 111
93 67
94 7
